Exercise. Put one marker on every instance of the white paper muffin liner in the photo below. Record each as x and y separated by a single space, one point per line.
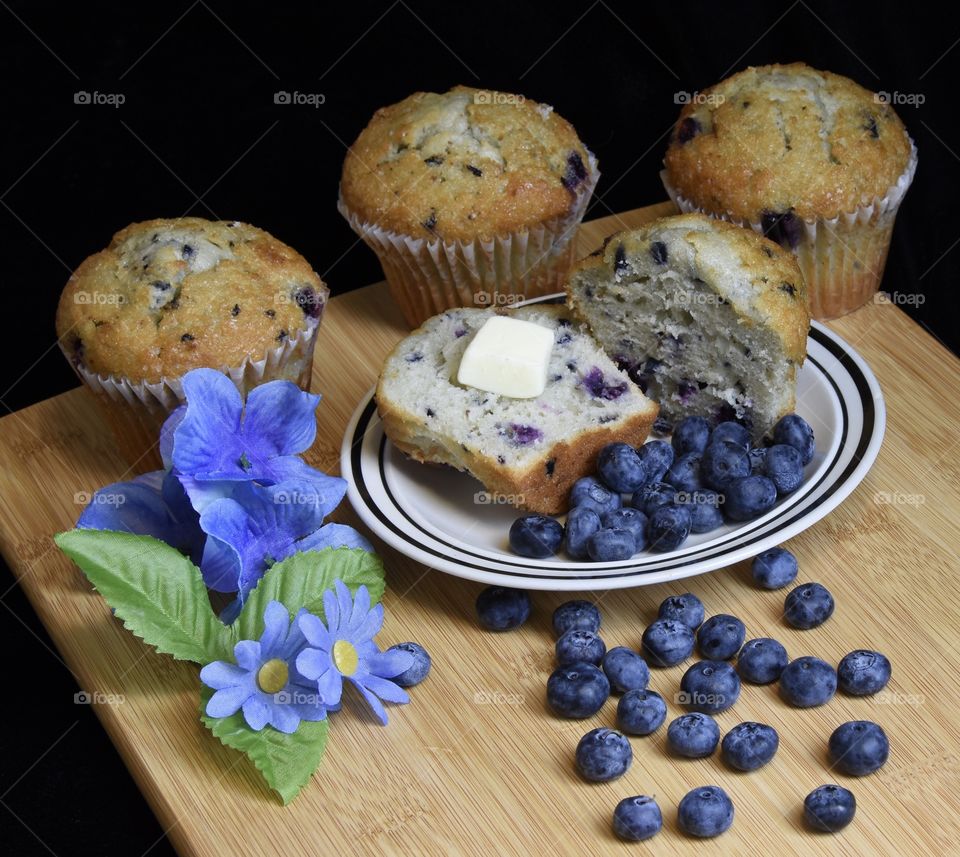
426 277
842 258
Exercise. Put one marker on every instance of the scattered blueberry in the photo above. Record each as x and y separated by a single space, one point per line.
690 435
667 642
758 457
829 808
576 616
649 498
598 386
705 812
749 497
620 468
577 690
807 682
610 545
784 467
762 660
576 647
502 609
731 432
749 746
710 686
693 735
858 747
658 252
630 519
589 491
704 506
575 172
784 227
582 522
668 528
536 536
722 462
721 636
520 435
796 432
686 608
687 130
684 473
863 672
625 669
641 712
656 456
637 818
774 568
418 670
604 754
808 606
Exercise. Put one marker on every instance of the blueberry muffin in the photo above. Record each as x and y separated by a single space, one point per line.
808 158
708 318
469 198
530 449
168 296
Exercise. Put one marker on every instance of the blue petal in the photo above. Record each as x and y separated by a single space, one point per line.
207 444
312 663
170 425
220 675
306 711
256 711
247 653
331 612
344 602
276 621
361 607
333 536
328 490
385 689
314 630
389 663
370 627
374 703
230 613
330 687
226 702
130 507
281 417
227 524
295 640
284 717
202 493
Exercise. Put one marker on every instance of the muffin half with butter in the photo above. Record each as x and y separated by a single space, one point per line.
168 296
469 198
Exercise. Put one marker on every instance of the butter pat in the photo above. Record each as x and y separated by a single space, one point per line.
509 357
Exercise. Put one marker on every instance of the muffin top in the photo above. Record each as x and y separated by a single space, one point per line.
786 137
464 164
168 296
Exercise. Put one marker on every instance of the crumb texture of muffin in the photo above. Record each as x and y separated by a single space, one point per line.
532 450
706 317
782 139
170 295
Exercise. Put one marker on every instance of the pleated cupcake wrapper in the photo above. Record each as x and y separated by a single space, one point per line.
135 410
842 258
427 277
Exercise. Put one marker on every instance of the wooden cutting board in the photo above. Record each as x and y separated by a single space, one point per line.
476 764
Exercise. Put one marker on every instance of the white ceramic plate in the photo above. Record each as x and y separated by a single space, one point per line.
431 513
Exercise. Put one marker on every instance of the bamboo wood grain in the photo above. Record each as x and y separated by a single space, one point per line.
476 764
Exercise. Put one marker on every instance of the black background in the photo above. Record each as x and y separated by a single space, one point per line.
199 132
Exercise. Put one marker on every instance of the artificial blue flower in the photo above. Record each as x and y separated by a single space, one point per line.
343 648
262 525
153 504
264 682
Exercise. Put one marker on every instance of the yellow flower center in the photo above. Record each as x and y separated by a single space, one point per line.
345 657
273 675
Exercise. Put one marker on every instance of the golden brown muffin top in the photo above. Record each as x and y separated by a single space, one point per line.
168 296
464 164
782 137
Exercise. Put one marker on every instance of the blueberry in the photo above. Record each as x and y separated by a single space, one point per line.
637 818
603 755
758 457
774 568
666 642
519 435
796 432
686 608
749 497
661 427
502 609
641 712
704 506
783 227
668 528
808 606
690 435
629 519
576 616
784 466
582 522
576 647
625 669
656 456
658 252
590 492
418 670
309 302
710 687
807 682
620 468
829 808
721 636
577 690
598 386
687 130
705 812
858 747
575 172
731 432
536 536
693 735
722 462
762 660
684 473
863 672
649 498
749 746
610 545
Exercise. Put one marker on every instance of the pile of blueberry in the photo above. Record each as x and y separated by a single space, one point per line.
690 485
588 673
